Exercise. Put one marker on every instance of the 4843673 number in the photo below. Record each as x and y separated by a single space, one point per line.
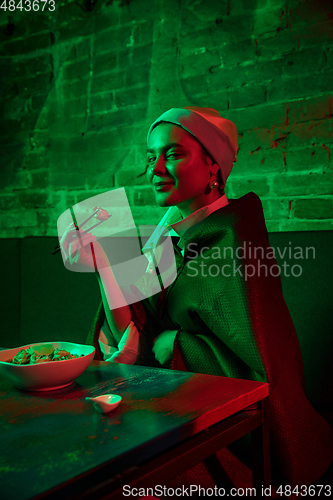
305 491
28 5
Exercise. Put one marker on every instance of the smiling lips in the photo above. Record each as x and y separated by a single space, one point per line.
162 184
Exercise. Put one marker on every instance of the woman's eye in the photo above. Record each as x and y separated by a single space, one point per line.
173 156
150 160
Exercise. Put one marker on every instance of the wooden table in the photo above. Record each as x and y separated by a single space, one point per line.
54 444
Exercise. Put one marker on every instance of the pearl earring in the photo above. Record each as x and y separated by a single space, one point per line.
215 185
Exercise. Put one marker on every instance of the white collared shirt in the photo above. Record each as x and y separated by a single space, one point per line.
181 227
172 223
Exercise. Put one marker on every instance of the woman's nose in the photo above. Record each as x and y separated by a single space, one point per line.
159 167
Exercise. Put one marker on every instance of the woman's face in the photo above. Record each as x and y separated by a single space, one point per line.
178 170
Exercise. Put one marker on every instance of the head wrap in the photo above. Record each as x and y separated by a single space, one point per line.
216 134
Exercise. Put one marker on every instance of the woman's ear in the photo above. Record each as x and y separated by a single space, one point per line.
214 168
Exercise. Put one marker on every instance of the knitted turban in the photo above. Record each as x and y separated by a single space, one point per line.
216 134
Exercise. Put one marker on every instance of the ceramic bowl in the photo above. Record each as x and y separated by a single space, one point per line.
105 403
50 375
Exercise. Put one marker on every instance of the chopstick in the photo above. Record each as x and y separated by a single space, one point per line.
57 248
85 221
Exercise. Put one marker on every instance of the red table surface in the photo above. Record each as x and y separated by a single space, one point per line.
48 438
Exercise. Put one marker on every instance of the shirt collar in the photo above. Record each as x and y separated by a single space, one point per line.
170 223
184 224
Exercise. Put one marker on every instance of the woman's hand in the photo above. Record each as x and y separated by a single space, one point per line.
128 348
163 346
77 249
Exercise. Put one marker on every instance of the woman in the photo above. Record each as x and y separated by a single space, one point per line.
224 314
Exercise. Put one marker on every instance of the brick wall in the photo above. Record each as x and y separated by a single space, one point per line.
80 87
